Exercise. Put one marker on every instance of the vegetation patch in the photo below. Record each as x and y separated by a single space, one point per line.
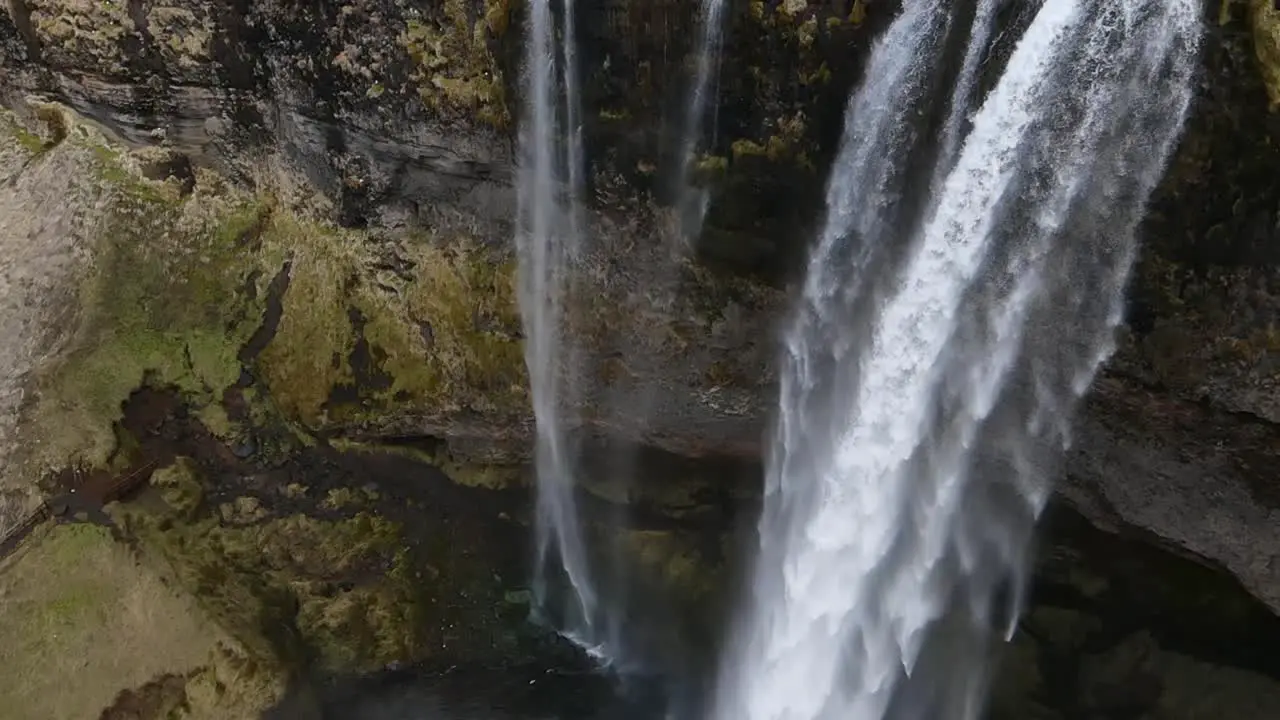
27 140
1266 42
453 65
172 296
179 286
85 33
489 476
328 593
441 335
78 611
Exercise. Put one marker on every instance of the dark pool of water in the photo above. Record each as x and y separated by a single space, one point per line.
520 693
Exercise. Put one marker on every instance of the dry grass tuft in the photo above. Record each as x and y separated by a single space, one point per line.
80 620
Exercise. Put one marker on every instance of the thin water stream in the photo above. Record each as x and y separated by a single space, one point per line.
700 115
548 238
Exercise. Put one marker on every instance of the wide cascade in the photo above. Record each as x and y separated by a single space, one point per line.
548 239
946 329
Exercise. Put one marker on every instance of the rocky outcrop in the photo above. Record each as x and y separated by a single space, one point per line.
1178 439
42 242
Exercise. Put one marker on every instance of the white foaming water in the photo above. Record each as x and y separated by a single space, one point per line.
966 85
548 236
909 460
693 201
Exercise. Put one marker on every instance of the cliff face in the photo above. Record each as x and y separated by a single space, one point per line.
312 247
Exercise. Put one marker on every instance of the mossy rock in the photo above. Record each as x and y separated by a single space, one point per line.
484 475
177 292
333 593
437 338
452 61
171 296
1266 40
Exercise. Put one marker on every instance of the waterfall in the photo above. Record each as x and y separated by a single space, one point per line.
549 233
911 452
692 200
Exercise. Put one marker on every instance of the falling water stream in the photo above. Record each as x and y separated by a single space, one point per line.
693 200
548 237
947 326
909 459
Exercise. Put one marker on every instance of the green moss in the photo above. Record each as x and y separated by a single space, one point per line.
26 139
711 164
65 547
214 417
308 355
477 475
454 67
820 76
77 609
1266 40
786 145
339 498
232 685
362 628
180 488
807 32
799 23
163 303
446 339
675 563
858 13
271 581
747 148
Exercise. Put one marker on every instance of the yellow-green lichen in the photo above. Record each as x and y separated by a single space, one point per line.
453 65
